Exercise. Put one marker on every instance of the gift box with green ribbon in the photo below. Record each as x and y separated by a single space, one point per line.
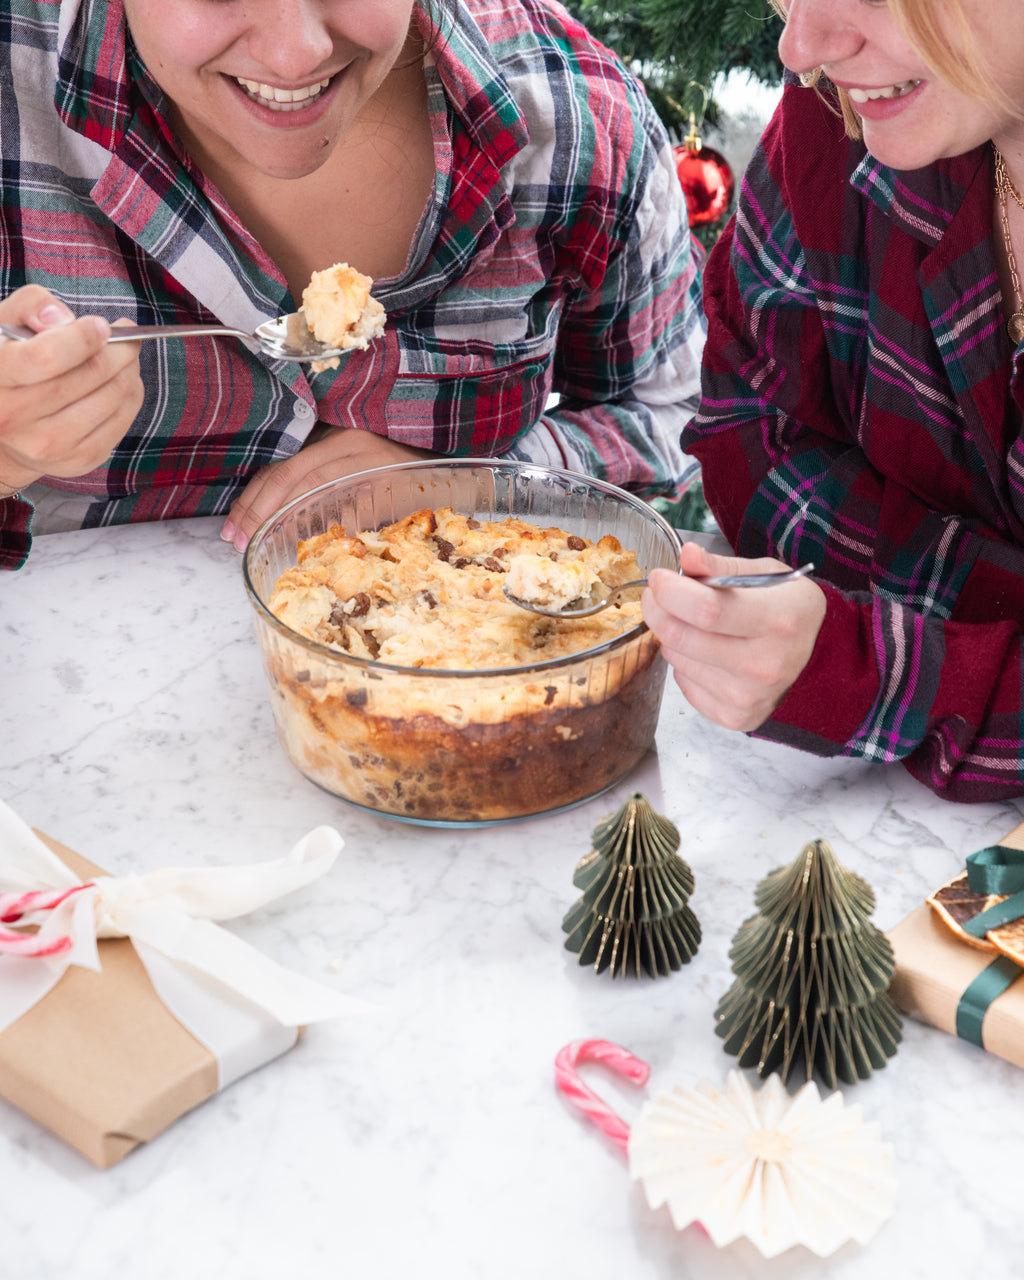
960 954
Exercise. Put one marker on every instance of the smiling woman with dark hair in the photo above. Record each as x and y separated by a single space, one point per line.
862 403
496 171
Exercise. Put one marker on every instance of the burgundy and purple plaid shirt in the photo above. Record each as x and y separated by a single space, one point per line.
862 409
554 258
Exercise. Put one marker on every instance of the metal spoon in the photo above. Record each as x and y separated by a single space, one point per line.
773 579
286 338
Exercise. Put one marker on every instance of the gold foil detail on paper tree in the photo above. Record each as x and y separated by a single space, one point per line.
634 916
812 976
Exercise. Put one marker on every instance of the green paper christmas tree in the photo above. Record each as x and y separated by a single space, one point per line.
634 915
812 976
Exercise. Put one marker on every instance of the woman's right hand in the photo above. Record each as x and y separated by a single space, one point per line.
734 654
67 397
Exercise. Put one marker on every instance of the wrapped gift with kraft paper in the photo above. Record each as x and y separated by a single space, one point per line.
128 1005
960 955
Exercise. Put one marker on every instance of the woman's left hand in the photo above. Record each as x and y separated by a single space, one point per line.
329 454
734 653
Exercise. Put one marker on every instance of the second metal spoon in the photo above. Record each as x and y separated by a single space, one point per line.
725 581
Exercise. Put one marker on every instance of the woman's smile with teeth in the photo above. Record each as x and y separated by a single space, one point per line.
889 91
282 99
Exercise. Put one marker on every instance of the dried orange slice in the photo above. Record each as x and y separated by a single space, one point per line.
956 903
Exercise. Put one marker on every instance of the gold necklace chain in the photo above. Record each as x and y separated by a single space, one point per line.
1007 181
1004 187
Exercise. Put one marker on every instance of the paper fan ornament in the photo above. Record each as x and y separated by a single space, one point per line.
779 1170
634 916
812 976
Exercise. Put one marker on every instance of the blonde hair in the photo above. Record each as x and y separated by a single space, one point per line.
941 33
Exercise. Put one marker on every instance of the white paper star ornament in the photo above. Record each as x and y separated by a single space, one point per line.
777 1169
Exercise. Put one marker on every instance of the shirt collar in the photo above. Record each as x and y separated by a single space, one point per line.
474 82
925 202
93 90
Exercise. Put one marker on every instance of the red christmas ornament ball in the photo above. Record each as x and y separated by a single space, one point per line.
708 183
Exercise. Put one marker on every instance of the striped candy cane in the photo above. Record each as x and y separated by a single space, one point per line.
15 906
585 1099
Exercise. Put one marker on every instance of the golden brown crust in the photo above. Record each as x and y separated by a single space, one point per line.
427 592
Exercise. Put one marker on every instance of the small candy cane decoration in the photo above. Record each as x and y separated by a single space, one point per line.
585 1099
15 906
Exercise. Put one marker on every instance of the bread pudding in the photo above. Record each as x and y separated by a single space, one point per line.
339 311
427 591
450 703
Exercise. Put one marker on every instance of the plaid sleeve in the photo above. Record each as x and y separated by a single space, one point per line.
627 363
15 535
943 697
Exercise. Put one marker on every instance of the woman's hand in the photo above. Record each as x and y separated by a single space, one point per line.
328 454
734 653
67 397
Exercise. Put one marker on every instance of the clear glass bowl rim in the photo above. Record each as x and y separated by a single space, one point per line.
325 653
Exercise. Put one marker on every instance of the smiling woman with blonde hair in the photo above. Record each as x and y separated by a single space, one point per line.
862 403
942 34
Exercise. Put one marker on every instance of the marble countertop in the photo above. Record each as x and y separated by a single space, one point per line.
426 1136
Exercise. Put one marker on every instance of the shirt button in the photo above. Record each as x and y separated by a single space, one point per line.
303 410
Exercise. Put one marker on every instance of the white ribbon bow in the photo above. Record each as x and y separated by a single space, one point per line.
245 1008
